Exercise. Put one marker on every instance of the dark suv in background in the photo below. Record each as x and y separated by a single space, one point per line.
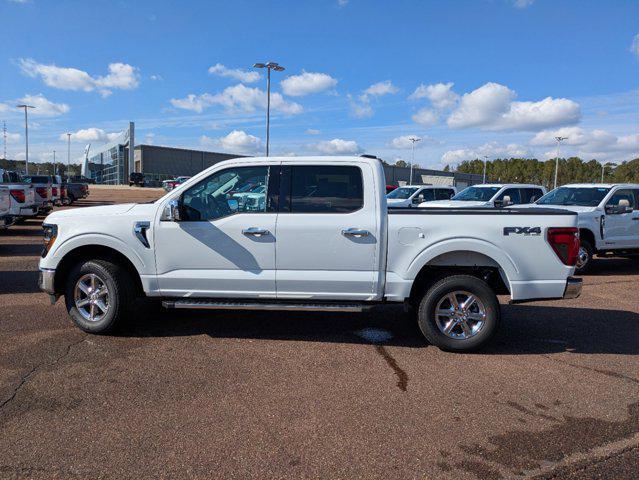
136 178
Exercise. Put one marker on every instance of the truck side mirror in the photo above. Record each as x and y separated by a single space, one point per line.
622 207
507 201
172 211
418 199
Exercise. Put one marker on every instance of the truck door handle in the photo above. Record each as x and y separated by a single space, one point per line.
355 232
255 231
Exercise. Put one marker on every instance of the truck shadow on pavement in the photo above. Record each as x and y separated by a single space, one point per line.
525 329
19 282
612 266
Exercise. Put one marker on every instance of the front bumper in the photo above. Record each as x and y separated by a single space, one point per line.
573 287
46 280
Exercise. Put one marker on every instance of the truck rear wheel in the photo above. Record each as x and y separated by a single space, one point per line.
459 313
98 295
584 258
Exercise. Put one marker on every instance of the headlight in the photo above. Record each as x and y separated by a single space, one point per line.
50 234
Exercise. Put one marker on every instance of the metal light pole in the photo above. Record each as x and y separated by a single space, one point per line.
413 140
55 165
603 171
278 68
26 136
485 162
68 154
559 140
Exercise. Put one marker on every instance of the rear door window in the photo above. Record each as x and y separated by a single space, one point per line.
513 193
325 189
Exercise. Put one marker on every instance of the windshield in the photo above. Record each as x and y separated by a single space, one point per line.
583 197
402 193
476 194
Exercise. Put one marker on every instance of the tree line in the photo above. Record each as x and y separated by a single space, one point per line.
46 168
571 170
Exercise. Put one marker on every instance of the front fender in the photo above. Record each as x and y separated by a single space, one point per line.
59 251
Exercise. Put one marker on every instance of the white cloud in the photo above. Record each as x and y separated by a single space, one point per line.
91 135
405 142
440 95
492 149
4 107
244 76
307 83
312 131
156 78
237 98
523 3
596 143
360 109
120 76
337 146
381 88
426 117
13 137
237 141
492 107
342 3
44 107
634 47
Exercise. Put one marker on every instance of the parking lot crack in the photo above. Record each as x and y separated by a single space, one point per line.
402 376
25 378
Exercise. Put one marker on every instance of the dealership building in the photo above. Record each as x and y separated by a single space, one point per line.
112 164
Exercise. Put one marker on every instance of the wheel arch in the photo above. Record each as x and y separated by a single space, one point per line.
464 261
94 252
589 235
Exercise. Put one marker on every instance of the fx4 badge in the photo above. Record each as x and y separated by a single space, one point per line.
522 231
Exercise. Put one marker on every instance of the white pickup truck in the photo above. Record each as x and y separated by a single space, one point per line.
491 196
5 206
608 217
323 239
410 196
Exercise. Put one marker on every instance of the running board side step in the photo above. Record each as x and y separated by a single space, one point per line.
296 307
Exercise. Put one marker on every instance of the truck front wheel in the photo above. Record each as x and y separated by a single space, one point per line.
459 313
98 295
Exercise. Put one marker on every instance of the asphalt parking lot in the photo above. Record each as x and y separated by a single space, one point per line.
298 395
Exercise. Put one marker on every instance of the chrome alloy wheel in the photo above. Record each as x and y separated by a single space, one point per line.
91 297
460 315
582 258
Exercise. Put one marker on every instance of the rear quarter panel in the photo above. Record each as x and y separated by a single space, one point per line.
529 266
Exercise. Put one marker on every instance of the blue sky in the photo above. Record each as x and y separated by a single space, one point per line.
470 78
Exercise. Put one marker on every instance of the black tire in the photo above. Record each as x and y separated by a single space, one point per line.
428 321
586 251
120 298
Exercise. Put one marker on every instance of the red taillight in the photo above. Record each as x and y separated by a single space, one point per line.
42 191
565 242
63 192
18 195
54 191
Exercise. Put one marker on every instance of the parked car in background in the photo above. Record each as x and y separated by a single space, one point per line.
608 217
21 196
136 178
56 189
76 191
5 204
80 179
42 186
169 185
491 196
323 241
410 196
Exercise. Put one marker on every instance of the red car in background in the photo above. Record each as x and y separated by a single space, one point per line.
390 188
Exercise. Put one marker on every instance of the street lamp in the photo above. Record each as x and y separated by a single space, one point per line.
26 136
413 140
55 166
278 68
485 162
68 154
559 140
